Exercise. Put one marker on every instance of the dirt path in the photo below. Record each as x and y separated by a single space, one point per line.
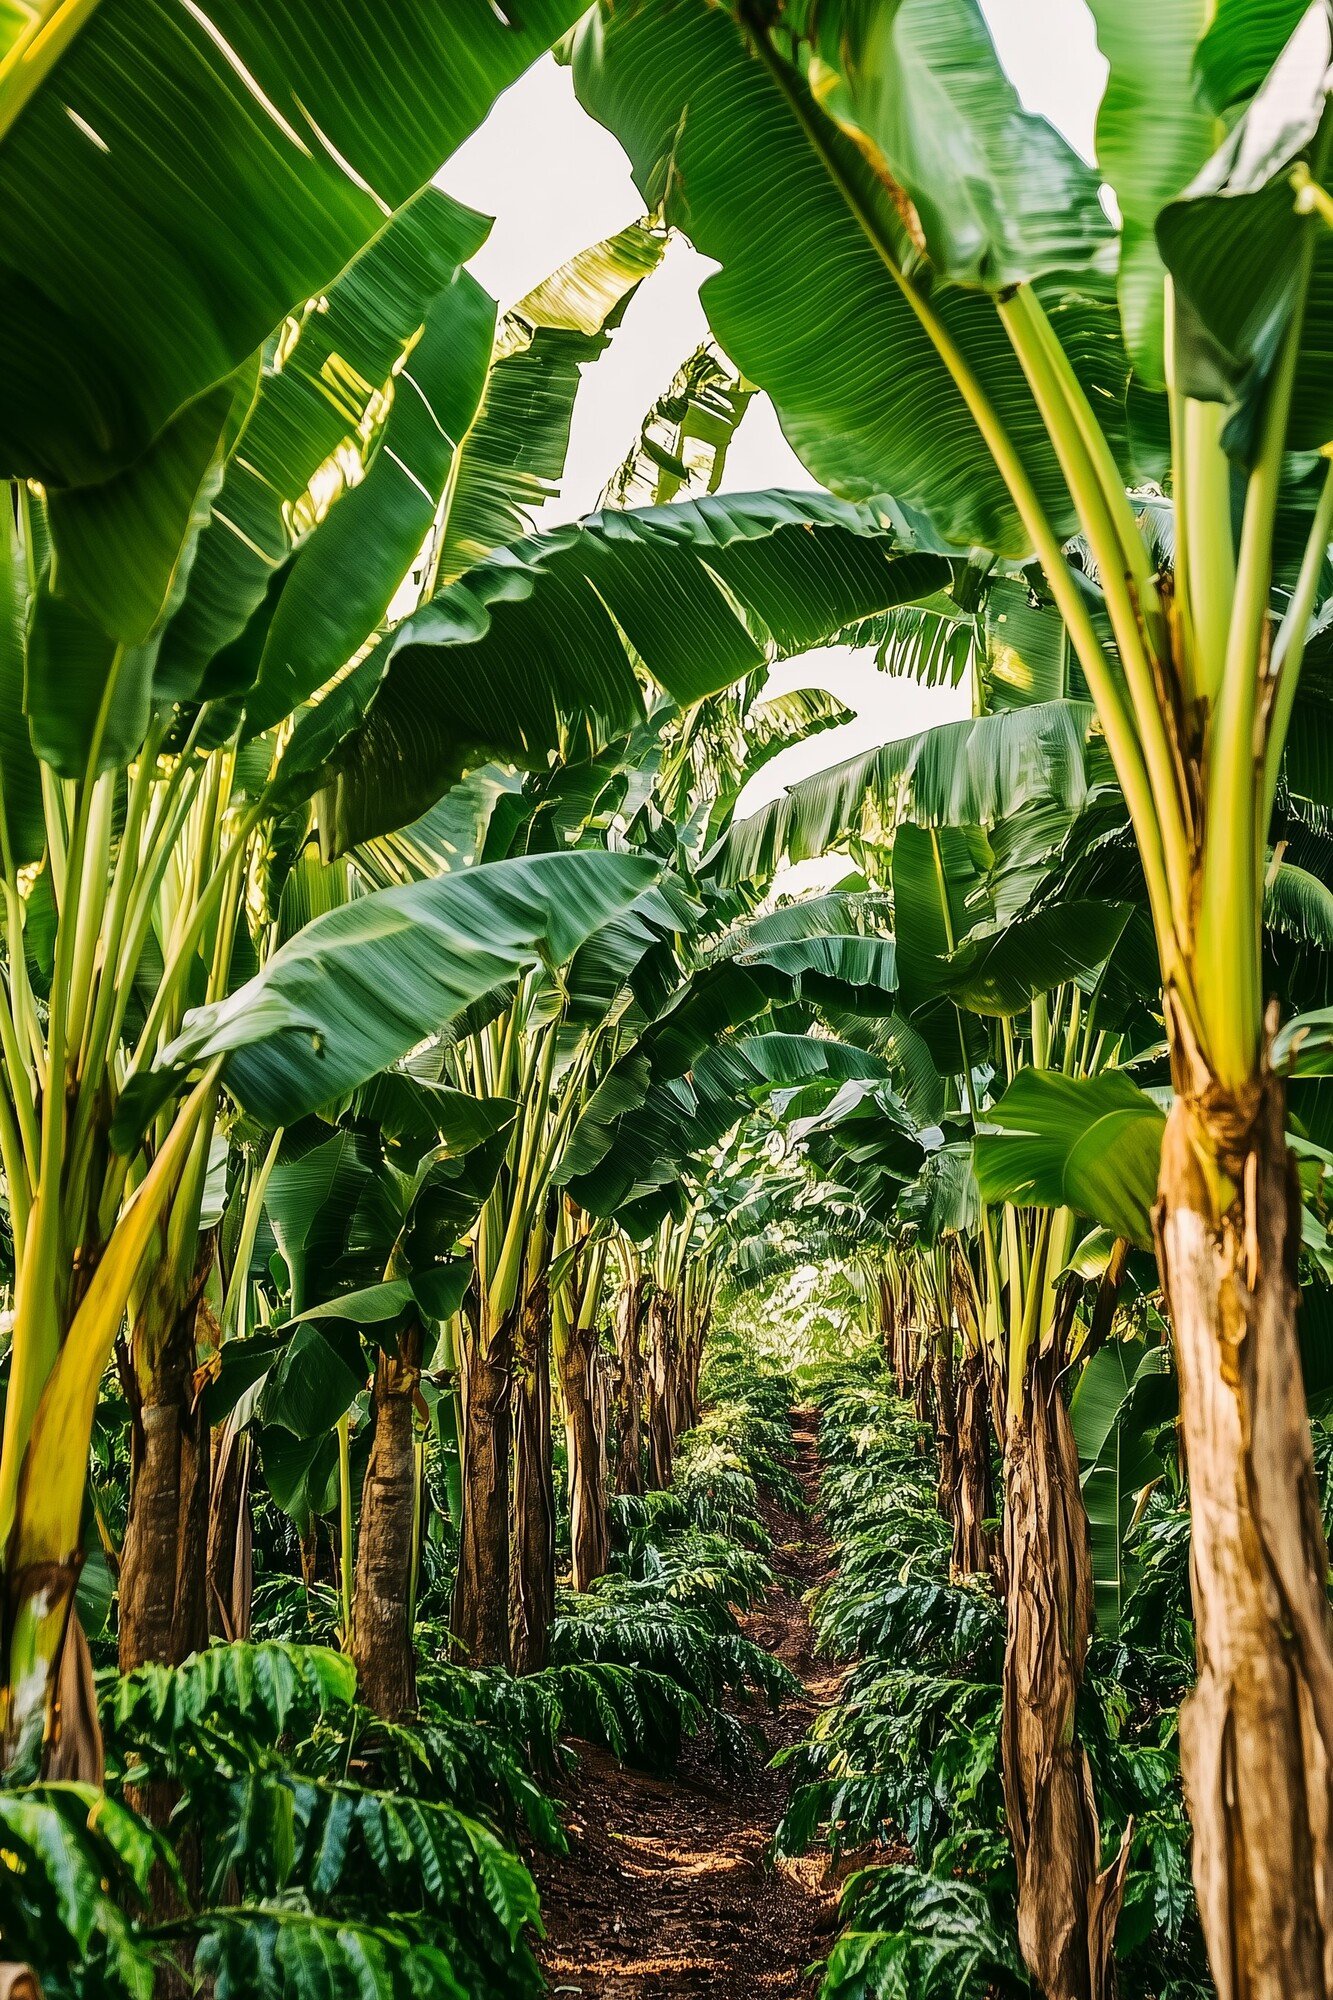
667 1891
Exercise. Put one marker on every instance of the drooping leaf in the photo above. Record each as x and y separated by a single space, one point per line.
117 549
1124 1396
325 387
347 575
1152 139
969 773
1092 1144
204 194
1235 246
513 457
359 987
805 302
1244 40
535 652
1000 197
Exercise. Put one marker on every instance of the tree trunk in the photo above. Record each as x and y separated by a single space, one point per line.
583 1394
691 1366
974 1551
481 1588
532 1554
1067 1905
163 1594
383 1647
921 1391
163 1584
946 1426
1256 1734
628 1473
661 1434
230 1535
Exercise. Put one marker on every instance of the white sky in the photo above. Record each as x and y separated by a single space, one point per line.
555 181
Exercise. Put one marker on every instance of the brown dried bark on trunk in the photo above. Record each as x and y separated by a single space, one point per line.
230 1535
688 1411
163 1596
661 1431
583 1394
946 1426
74 1751
382 1640
481 1587
921 1390
891 1328
974 1550
1068 1905
1256 1734
627 1476
532 1551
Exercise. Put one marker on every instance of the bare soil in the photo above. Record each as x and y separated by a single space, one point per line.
669 1890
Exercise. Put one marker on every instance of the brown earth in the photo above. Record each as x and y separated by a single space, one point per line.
668 1890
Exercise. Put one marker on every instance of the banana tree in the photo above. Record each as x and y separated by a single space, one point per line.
957 241
972 1001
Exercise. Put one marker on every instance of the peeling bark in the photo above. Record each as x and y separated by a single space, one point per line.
1068 1905
946 1426
230 1535
74 1750
627 1475
974 1545
583 1393
382 1641
691 1348
661 1428
481 1588
921 1393
532 1551
163 1600
1256 1734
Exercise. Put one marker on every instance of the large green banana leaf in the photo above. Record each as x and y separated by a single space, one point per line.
537 651
1092 1144
943 1200
345 577
119 554
864 1142
999 196
475 434
476 437
971 773
360 986
1240 47
1153 136
514 455
820 257
1123 1399
1236 246
948 949
174 178
325 385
